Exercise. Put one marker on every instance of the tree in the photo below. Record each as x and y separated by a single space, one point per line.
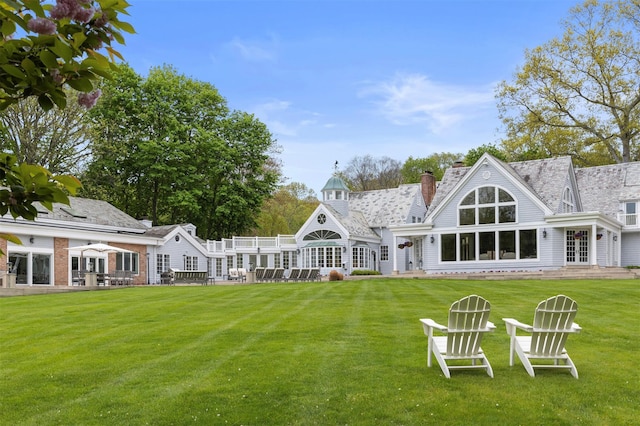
580 94
57 139
367 173
44 49
169 149
437 163
60 47
286 211
474 154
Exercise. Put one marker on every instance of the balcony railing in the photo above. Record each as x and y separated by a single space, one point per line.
629 220
249 244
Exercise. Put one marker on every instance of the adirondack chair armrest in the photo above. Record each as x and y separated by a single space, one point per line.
576 328
429 323
490 326
513 325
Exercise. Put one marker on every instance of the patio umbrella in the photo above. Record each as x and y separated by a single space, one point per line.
98 248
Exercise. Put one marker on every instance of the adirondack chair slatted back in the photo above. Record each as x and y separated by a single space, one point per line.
467 317
278 274
551 324
259 273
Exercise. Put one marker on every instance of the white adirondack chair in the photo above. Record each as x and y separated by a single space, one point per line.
468 321
552 324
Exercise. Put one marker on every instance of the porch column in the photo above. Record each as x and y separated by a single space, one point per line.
594 246
395 256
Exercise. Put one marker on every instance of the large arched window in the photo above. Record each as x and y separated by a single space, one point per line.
568 204
321 234
487 205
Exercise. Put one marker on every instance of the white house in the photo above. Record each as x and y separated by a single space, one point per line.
494 216
530 216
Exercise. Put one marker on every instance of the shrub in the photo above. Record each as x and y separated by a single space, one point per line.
335 275
365 272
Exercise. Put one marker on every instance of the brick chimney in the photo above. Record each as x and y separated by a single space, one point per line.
428 181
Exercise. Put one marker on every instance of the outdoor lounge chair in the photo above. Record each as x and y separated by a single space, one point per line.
552 324
468 321
294 274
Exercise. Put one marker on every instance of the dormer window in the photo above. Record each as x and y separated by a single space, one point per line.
568 204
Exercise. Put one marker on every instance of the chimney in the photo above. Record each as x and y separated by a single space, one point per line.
146 222
458 164
428 181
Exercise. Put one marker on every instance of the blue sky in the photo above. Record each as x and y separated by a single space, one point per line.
338 79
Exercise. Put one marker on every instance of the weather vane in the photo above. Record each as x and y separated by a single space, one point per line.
335 166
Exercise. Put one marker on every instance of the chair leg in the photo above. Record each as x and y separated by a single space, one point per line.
442 363
525 361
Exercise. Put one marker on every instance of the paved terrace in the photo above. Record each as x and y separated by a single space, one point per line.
564 273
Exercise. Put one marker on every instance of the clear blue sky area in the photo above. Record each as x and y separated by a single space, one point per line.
338 79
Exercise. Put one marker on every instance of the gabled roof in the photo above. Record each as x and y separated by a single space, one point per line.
602 188
544 178
355 223
385 207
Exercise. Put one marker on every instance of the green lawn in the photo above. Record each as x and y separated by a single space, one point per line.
349 352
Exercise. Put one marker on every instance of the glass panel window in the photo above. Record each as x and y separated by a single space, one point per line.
448 247
487 245
487 210
504 196
384 253
467 216
486 215
486 195
163 263
127 262
507 214
507 244
469 200
528 244
468 246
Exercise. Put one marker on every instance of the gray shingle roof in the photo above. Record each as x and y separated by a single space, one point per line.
93 212
602 188
385 207
355 223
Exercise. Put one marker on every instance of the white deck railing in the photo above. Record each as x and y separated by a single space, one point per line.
629 220
250 244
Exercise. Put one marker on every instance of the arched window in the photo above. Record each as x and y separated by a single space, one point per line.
568 204
487 205
321 234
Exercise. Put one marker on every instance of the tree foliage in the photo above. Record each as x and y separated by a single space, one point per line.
169 149
57 139
474 154
286 211
367 173
43 49
437 163
62 46
579 94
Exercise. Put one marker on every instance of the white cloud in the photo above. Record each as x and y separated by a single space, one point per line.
255 51
414 98
282 119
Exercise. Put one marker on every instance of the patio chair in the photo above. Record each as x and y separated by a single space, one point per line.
278 274
552 324
268 274
294 274
468 321
304 274
259 273
233 274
